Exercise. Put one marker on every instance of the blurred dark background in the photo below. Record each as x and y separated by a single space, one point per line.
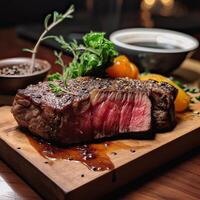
27 16
128 12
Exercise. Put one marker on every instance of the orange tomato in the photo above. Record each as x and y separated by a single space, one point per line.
182 99
122 67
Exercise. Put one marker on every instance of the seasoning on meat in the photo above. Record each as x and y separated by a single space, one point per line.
101 108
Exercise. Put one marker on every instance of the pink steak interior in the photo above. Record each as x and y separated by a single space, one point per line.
112 112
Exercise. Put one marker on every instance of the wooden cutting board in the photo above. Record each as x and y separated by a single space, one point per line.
62 179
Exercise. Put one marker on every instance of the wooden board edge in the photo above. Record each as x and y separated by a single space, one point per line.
37 180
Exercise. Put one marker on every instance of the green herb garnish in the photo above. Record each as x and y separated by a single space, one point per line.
59 61
58 89
55 87
185 87
178 82
197 98
55 76
56 19
89 58
93 55
193 90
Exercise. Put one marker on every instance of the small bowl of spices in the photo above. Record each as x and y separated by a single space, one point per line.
15 73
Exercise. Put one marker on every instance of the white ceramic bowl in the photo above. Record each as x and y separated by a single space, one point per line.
159 59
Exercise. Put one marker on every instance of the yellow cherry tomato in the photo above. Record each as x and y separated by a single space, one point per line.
182 100
122 67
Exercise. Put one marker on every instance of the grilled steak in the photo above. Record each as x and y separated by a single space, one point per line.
94 108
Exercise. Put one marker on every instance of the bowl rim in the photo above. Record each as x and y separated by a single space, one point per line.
18 60
123 32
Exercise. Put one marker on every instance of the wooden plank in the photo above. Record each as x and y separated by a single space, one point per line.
62 179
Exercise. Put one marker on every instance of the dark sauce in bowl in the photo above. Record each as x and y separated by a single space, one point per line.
156 45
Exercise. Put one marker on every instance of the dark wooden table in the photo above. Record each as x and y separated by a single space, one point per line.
179 179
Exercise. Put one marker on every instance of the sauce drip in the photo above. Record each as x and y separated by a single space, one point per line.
94 156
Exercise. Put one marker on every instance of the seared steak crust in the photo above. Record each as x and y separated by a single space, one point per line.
95 108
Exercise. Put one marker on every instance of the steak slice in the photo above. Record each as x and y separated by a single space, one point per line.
94 108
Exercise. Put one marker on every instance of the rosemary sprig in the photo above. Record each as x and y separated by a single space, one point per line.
93 55
56 19
58 89
185 87
59 60
55 76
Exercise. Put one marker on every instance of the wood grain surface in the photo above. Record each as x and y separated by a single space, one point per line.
176 180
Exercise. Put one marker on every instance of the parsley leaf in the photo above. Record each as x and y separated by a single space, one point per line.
91 57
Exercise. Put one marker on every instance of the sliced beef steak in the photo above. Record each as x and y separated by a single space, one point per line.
94 108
